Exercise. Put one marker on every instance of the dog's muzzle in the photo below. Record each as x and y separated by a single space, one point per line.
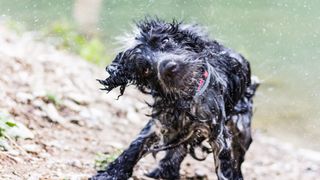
168 68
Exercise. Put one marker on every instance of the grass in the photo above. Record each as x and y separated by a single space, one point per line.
102 160
51 97
67 37
64 35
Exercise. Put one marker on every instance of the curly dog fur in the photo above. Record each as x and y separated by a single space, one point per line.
202 99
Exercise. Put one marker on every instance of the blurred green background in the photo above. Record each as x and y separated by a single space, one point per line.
279 37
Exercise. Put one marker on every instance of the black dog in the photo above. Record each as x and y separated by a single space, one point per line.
202 94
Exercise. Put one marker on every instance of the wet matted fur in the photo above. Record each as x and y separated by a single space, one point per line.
202 99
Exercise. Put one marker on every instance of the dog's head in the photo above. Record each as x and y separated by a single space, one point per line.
161 58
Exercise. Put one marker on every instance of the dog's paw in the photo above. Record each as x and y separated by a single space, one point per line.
160 173
104 175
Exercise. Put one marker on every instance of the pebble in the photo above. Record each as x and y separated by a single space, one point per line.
14 152
133 116
76 163
79 98
44 155
4 145
76 120
35 177
38 103
72 105
32 148
23 97
20 131
53 114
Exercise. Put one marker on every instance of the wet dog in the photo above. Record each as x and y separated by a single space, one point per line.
202 95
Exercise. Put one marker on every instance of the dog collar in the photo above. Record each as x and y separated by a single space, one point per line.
204 81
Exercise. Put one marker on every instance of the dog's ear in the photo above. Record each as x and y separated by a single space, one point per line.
117 75
122 89
115 65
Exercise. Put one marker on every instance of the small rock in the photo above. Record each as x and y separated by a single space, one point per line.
34 177
76 120
19 131
133 116
76 163
55 143
38 103
38 113
14 152
92 116
4 145
39 93
44 155
23 97
79 98
16 129
53 114
72 105
32 148
309 154
116 145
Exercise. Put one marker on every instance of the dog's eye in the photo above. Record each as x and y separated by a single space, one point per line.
146 72
165 40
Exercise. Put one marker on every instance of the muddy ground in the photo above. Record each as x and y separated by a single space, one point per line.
69 121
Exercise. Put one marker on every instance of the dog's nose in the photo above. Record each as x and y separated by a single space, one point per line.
171 66
168 67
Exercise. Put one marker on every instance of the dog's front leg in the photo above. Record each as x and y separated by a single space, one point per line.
122 167
169 166
221 145
241 139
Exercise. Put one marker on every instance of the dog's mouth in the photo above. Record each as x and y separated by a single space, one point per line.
204 80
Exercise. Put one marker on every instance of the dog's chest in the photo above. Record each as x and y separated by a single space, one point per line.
175 119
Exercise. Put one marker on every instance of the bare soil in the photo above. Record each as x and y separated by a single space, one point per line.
55 95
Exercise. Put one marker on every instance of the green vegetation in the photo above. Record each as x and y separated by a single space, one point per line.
67 37
15 26
63 35
103 159
51 97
